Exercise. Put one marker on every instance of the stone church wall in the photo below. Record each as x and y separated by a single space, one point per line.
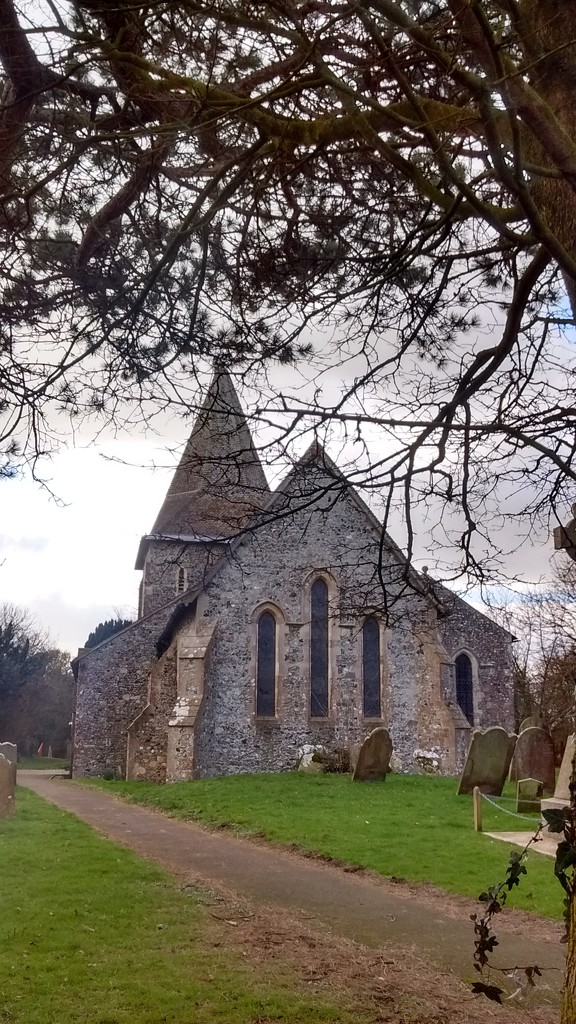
466 630
111 690
273 569
163 559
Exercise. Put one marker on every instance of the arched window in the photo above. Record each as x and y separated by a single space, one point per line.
266 666
319 649
464 686
181 580
371 668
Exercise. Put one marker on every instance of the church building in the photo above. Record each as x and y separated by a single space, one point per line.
270 620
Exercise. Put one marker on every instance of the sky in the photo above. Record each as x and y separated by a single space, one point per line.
67 549
68 545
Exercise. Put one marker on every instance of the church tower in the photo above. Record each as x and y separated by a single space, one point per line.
217 491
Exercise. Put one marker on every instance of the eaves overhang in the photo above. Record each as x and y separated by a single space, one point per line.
175 538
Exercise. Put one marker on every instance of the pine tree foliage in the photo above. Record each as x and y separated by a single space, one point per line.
106 629
190 179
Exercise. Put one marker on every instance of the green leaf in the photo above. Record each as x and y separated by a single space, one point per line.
555 819
565 857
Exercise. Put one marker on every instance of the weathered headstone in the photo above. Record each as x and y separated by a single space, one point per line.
10 752
562 790
534 757
353 752
306 761
487 761
6 787
373 762
531 722
528 795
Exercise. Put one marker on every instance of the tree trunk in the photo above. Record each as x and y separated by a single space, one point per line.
552 37
568 1013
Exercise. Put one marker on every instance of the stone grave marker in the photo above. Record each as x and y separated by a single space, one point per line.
487 761
10 752
534 757
531 722
6 787
561 796
562 791
373 763
305 759
528 795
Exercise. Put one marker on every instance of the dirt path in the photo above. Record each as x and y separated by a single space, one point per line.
358 906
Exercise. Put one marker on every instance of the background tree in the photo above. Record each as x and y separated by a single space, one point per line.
36 685
543 620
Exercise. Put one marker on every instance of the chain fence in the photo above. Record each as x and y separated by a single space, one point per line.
513 814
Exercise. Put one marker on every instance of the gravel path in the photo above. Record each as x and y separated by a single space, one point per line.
359 906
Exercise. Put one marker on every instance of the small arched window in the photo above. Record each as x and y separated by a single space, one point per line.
181 580
465 686
266 666
319 649
371 668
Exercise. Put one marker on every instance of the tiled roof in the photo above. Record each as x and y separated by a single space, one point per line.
219 486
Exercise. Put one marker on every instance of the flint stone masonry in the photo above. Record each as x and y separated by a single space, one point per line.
174 695
6 787
487 762
534 757
465 630
373 763
111 690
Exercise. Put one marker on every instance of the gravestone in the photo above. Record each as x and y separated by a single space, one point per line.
373 763
6 787
534 757
487 761
305 759
531 722
10 752
562 791
353 752
528 795
561 796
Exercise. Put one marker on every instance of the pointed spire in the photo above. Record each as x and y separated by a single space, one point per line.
219 485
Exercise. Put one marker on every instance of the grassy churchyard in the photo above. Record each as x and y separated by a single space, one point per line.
92 934
411 827
43 764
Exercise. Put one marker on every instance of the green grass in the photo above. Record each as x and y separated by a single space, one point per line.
413 827
47 764
91 933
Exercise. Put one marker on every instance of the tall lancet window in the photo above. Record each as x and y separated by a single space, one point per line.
372 706
266 666
465 686
319 649
181 580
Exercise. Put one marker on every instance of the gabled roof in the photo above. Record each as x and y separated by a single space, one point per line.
316 454
219 486
268 511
